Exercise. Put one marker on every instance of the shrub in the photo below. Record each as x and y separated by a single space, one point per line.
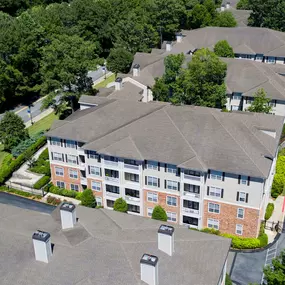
269 211
222 48
159 213
228 280
211 231
243 243
120 205
78 195
88 199
54 201
280 165
277 185
41 182
63 192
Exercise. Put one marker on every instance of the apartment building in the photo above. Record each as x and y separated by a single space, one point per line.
204 167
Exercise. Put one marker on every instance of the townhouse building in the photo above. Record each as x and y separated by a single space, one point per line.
206 168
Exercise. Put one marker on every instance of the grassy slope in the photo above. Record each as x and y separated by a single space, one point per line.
105 82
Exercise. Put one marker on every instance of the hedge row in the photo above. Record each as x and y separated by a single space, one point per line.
269 211
7 168
42 182
279 178
42 165
18 192
64 192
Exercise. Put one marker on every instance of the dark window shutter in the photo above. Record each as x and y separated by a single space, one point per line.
88 169
145 164
99 158
77 159
223 178
165 184
178 186
208 190
146 180
239 177
88 154
209 173
100 171
165 167
63 158
237 196
61 142
248 180
178 171
158 166
51 155
222 194
158 182
246 198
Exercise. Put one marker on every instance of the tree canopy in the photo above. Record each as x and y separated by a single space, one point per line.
243 5
120 205
260 103
223 49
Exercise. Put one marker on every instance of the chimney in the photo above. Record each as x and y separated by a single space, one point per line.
68 215
118 83
149 269
223 8
42 246
136 70
228 5
179 37
168 46
166 239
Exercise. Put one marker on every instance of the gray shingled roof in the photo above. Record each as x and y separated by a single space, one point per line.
104 248
187 136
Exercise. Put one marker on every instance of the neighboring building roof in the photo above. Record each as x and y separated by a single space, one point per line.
241 16
188 136
104 248
259 40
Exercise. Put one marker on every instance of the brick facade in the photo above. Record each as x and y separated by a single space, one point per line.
162 202
96 193
228 219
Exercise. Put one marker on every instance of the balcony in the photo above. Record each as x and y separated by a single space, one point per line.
132 199
112 179
192 177
131 166
83 180
191 194
111 163
190 211
81 151
112 194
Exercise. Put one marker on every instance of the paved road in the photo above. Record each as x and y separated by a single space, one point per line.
24 203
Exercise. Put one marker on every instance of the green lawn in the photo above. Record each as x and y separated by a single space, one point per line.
3 153
105 82
42 125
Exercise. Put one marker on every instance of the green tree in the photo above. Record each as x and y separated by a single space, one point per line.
120 205
199 17
12 130
223 49
275 275
277 185
260 103
119 60
225 19
243 5
159 213
88 199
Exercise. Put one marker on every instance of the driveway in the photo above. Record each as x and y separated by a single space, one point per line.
24 203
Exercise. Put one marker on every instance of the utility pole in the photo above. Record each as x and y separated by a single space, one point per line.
160 37
30 115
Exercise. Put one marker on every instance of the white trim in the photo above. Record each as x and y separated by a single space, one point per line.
230 203
242 215
214 204
94 181
60 182
148 210
74 185
75 170
241 229
215 221
59 168
151 194
172 197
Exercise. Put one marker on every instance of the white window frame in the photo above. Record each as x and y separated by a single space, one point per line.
171 168
216 175
213 224
149 211
236 96
171 217
59 171
150 181
70 143
55 141
215 192
152 165
60 182
57 156
152 197
99 201
95 169
72 159
96 188
271 59
172 185
238 214
240 199
243 180
72 174
214 208
239 229
172 199
74 186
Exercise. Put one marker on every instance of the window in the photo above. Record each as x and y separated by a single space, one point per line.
171 201
214 208
271 59
234 108
240 213
57 156
215 192
152 197
192 188
110 203
95 185
259 57
213 223
190 221
239 229
272 103
112 189
152 181
60 184
132 193
92 154
74 187
191 205
131 162
131 177
73 173
217 175
94 170
243 180
171 217
236 96
149 212
133 208
191 172
171 168
171 185
59 171
152 165
71 144
71 159
111 173
99 201
56 141
242 197
111 158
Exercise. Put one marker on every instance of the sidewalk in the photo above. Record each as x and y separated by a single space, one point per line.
39 117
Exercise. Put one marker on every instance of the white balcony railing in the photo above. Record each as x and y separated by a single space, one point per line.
112 179
191 177
111 163
134 199
112 194
83 180
190 194
131 166
80 151
191 211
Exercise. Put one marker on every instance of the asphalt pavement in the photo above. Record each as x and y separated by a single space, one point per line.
24 203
